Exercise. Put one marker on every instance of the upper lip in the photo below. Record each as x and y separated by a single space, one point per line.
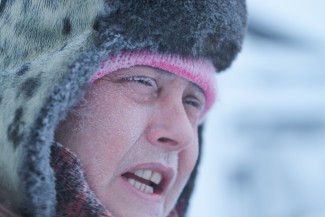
166 172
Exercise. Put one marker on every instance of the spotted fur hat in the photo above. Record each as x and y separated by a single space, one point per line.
49 51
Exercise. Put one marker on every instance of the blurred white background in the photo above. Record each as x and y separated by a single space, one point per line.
264 150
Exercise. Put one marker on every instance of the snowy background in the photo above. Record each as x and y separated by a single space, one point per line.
264 153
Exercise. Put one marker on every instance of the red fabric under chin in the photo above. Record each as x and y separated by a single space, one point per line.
74 197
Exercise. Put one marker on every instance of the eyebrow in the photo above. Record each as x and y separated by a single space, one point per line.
165 72
197 87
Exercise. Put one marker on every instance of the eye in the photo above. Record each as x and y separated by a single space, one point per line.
194 107
194 102
147 81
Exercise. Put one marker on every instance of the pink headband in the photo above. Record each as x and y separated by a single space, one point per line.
201 72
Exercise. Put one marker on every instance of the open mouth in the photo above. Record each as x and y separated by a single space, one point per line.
146 181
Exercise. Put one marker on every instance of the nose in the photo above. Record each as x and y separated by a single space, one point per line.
170 128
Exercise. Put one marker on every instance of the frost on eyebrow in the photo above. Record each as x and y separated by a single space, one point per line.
198 88
165 72
172 75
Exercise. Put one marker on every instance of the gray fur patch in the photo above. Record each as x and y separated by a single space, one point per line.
53 4
26 6
66 26
2 5
96 25
63 46
23 69
14 131
0 100
29 87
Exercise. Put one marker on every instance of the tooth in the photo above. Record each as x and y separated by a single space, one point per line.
147 174
148 189
131 181
142 187
137 185
156 178
139 173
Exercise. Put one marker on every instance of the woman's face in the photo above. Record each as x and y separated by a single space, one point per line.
136 137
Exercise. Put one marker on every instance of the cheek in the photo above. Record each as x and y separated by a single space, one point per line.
107 131
187 161
112 114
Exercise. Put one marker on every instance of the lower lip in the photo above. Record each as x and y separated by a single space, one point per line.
156 198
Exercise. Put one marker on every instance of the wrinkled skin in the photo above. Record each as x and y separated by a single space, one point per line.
140 117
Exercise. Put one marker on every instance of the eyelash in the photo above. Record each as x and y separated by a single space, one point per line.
142 80
194 102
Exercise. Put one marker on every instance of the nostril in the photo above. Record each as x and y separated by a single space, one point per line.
163 139
167 140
